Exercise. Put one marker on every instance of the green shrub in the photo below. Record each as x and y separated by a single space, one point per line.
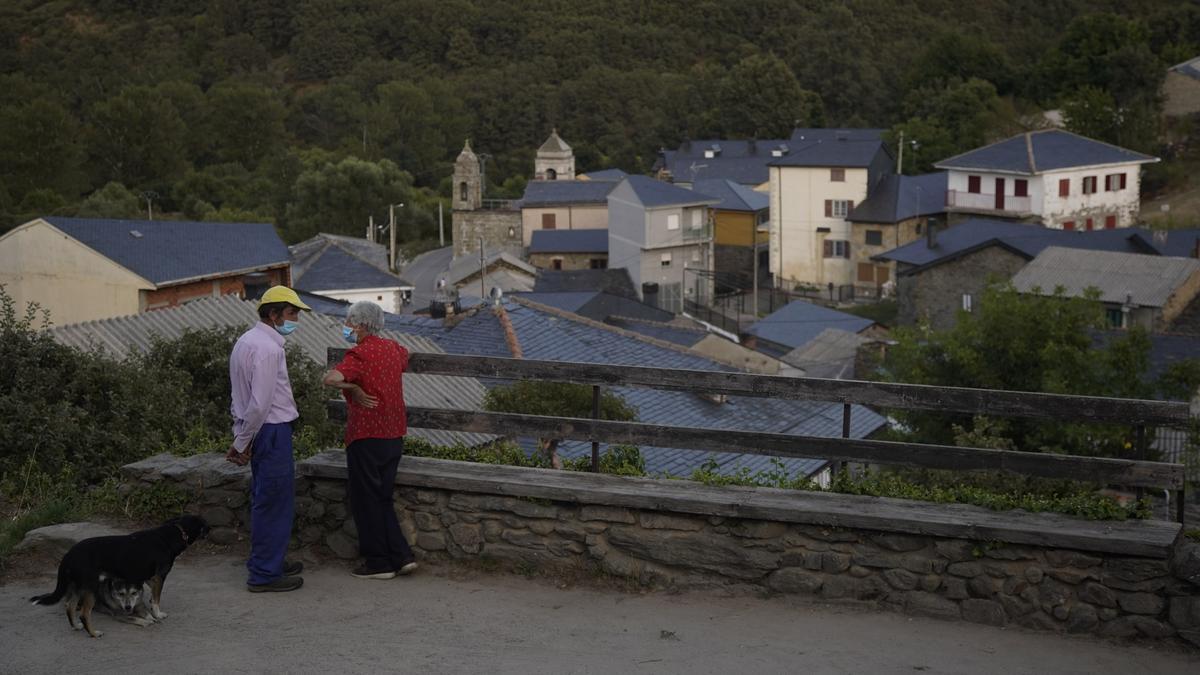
618 460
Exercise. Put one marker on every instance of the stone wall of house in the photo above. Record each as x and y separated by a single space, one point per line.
570 261
1045 588
936 294
493 226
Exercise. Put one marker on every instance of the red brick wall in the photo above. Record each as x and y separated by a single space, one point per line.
173 296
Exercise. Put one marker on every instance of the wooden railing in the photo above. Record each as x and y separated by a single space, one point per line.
1137 414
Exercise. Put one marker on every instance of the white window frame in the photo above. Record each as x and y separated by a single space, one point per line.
695 255
665 259
697 221
673 221
840 208
968 302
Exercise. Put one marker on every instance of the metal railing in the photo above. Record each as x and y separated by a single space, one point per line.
982 201
1133 472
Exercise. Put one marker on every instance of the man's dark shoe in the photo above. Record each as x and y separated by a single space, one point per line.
292 567
364 572
280 585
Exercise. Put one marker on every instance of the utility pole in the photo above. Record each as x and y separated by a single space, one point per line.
482 294
900 154
371 229
150 196
754 266
392 236
441 229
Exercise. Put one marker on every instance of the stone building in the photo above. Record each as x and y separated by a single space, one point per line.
494 223
555 160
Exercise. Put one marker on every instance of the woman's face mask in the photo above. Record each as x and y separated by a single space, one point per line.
348 335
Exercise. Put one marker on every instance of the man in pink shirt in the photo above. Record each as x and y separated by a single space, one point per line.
263 412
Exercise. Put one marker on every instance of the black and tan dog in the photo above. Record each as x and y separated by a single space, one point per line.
144 557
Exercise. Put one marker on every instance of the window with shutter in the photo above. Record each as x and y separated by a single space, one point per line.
1122 181
973 183
1108 183
1020 188
828 249
874 238
1089 225
548 221
828 208
1068 224
1064 187
1089 185
1110 222
673 221
866 273
837 175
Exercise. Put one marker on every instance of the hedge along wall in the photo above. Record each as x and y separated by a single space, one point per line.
1040 571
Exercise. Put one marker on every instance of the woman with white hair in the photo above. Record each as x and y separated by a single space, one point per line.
370 377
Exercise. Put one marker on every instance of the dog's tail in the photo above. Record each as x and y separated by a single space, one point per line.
60 590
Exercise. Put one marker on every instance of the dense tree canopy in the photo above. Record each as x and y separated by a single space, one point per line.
217 106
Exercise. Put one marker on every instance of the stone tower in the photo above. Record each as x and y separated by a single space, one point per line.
468 183
555 160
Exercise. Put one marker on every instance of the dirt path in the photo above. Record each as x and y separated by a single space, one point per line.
439 622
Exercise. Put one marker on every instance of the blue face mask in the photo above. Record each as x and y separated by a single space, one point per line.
287 328
348 335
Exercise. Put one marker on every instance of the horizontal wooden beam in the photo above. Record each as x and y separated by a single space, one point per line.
1105 471
878 394
1132 537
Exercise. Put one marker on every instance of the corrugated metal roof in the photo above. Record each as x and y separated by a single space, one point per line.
1146 280
317 333
172 251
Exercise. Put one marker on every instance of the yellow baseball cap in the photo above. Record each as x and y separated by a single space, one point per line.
283 294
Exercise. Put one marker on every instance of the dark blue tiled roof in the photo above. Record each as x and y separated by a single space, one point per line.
569 241
614 175
743 162
324 305
569 301
797 322
549 336
1191 68
653 193
1175 243
599 306
1028 240
896 198
555 192
1052 149
832 147
614 281
333 269
168 251
733 196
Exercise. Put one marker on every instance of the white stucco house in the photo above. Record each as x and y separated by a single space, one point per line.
350 269
814 186
1062 180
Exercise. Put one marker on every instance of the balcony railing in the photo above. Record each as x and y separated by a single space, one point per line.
498 205
982 201
703 232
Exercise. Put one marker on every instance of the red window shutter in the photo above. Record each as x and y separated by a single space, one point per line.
1020 188
1110 222
1089 224
1068 224
828 209
1122 181
849 207
828 247
846 250
973 184
1108 183
1064 187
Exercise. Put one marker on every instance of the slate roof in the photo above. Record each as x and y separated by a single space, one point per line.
465 266
1191 68
599 306
1024 240
896 198
334 263
654 193
743 162
123 335
830 354
613 175
174 251
832 147
554 143
569 241
659 330
733 196
612 281
541 193
547 333
1036 152
1149 280
798 322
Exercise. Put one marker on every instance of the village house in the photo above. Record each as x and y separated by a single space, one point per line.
1181 89
814 188
661 233
739 231
1150 291
897 211
564 205
744 162
569 249
348 268
80 269
1061 180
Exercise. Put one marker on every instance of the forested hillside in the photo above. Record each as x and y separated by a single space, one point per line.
315 113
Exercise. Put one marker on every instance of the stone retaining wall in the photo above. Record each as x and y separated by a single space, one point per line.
1042 587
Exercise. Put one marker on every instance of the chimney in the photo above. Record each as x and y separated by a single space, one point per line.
254 285
930 235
